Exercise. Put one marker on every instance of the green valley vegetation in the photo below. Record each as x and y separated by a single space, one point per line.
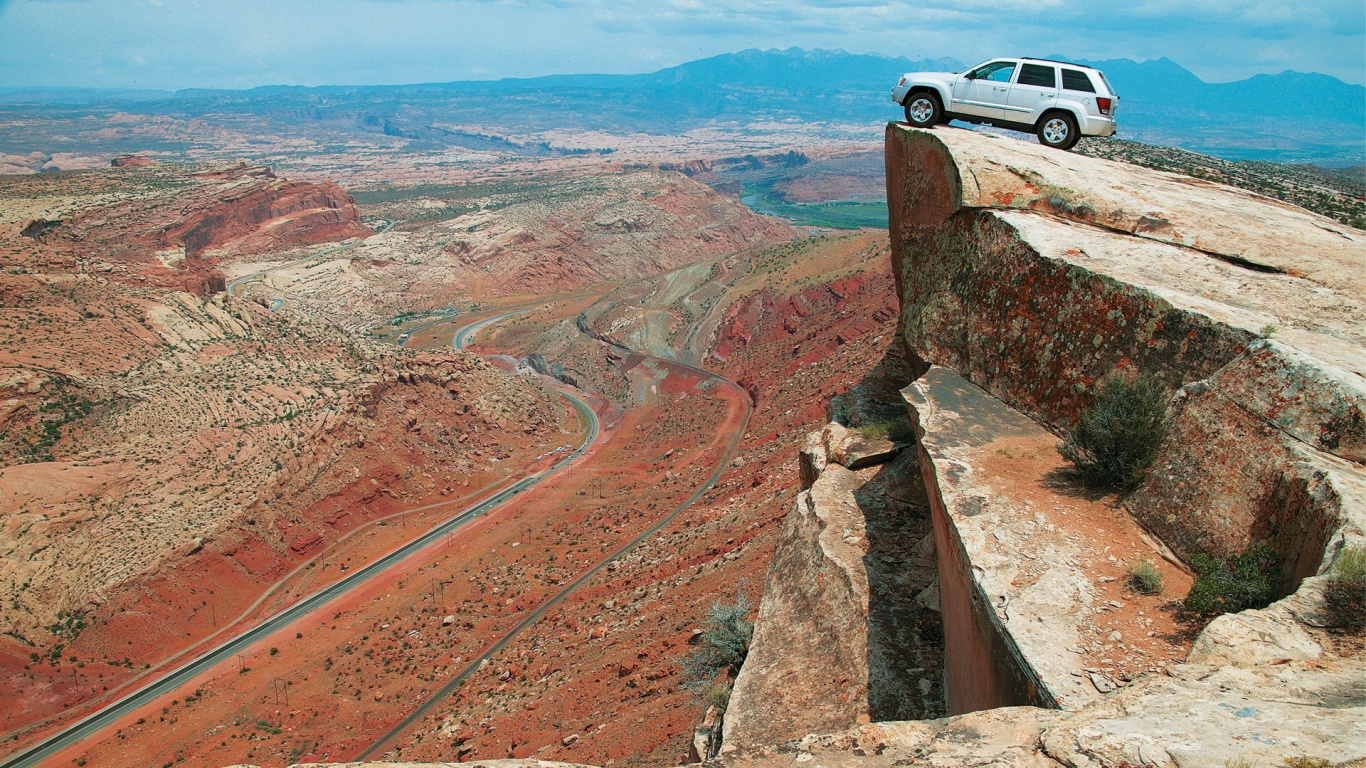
834 215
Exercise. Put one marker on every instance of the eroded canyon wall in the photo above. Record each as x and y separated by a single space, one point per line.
1035 274
1026 277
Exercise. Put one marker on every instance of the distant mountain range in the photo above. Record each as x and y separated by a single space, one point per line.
1289 117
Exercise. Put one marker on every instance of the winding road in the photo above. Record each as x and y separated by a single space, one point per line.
316 601
462 336
322 598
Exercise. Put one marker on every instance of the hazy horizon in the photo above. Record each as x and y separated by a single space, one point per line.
174 44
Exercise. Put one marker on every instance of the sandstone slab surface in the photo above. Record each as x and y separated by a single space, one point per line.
1030 575
1005 173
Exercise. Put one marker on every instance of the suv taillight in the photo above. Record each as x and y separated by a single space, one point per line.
1104 105
901 82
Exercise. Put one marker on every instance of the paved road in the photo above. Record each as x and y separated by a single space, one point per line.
316 601
462 336
465 334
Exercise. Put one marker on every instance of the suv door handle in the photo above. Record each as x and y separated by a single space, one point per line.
997 88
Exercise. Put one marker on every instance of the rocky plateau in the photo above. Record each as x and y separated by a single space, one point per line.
858 432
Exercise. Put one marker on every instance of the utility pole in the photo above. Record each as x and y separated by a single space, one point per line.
278 686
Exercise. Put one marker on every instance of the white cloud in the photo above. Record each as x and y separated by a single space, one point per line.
253 42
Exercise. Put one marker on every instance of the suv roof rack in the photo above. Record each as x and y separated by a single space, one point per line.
1056 61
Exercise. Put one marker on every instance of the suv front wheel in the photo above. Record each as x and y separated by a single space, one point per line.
1057 130
923 110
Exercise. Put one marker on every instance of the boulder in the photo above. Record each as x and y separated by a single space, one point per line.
807 668
1253 638
852 449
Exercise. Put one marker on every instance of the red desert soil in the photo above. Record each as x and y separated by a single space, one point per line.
196 596
164 459
360 668
562 694
602 664
1150 633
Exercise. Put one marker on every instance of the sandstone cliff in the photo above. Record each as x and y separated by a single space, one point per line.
260 211
1025 277
1035 274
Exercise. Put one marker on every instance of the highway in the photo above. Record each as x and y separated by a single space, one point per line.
461 337
225 651
319 600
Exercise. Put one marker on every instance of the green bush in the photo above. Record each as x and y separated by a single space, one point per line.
1119 434
1345 592
897 431
1228 586
1145 578
723 646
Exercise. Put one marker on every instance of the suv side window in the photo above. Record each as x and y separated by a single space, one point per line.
1076 80
1037 74
997 72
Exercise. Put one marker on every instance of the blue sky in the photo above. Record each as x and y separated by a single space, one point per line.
244 43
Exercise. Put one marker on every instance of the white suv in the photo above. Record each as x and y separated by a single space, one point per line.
1058 101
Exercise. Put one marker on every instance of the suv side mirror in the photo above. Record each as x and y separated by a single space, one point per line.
971 76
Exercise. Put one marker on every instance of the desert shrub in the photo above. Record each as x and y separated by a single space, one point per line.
723 646
897 431
1345 593
1307 762
1145 578
1228 586
1119 434
718 696
69 625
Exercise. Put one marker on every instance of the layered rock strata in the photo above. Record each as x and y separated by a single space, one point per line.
132 230
1036 274
1027 276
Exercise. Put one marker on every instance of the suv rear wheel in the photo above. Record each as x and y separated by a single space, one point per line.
1057 130
923 109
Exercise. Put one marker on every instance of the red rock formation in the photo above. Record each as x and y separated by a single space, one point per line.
266 212
213 215
131 161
